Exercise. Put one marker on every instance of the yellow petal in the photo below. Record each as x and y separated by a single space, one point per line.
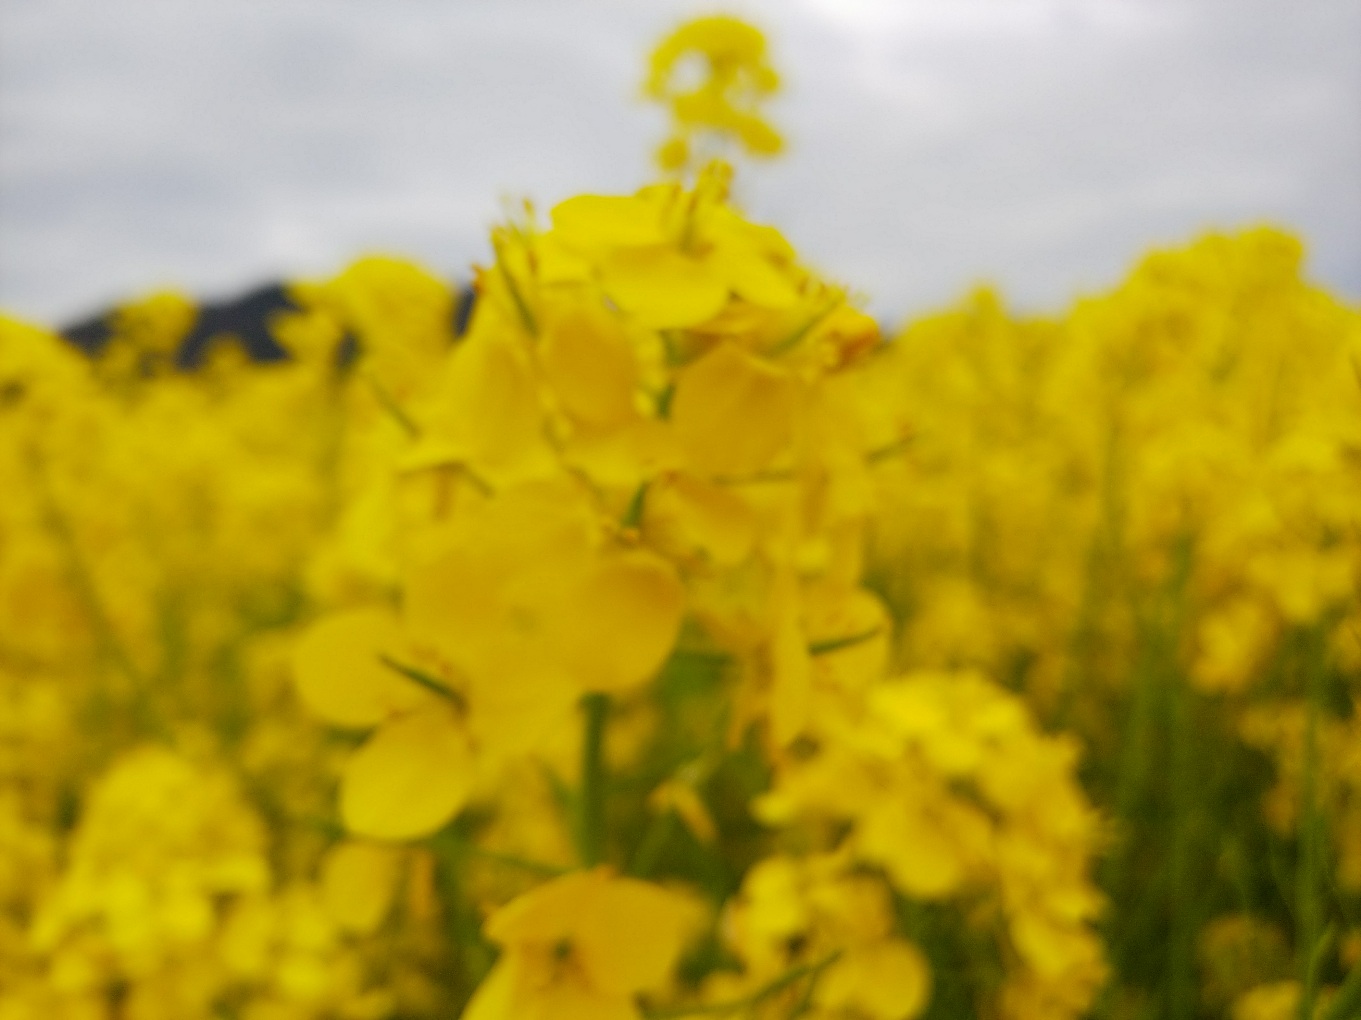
357 883
732 412
559 263
410 778
495 998
625 457
1048 945
632 934
597 221
486 409
548 913
661 287
753 277
680 797
888 980
921 860
619 626
589 361
340 675
515 713
791 667
486 600
686 516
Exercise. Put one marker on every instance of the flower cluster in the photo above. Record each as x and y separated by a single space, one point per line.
1144 516
644 635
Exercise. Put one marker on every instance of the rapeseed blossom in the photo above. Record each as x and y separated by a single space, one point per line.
736 77
668 642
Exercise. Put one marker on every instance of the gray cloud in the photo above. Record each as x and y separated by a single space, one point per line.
1041 144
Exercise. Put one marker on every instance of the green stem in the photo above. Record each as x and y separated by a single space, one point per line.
1317 955
812 323
1182 894
650 847
1347 1002
836 644
591 800
460 847
517 298
1308 906
395 410
771 988
633 514
425 680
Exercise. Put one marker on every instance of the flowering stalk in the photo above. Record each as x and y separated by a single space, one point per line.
595 708
1314 942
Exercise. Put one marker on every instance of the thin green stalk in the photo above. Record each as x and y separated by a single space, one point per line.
470 955
591 799
461 847
395 410
1347 1002
1135 759
1308 895
773 987
425 680
1181 983
1183 788
1161 711
808 326
655 837
836 644
633 513
513 288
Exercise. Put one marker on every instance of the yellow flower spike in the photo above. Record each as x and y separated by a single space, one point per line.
358 883
732 412
581 947
410 777
339 670
725 103
673 154
673 259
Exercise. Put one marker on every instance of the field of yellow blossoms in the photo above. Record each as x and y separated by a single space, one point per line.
672 643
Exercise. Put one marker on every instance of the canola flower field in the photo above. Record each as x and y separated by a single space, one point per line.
672 643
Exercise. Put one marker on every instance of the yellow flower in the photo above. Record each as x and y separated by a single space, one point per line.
358 881
732 412
817 912
528 600
417 769
737 77
581 947
672 258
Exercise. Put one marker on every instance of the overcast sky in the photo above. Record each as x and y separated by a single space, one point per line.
1037 144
